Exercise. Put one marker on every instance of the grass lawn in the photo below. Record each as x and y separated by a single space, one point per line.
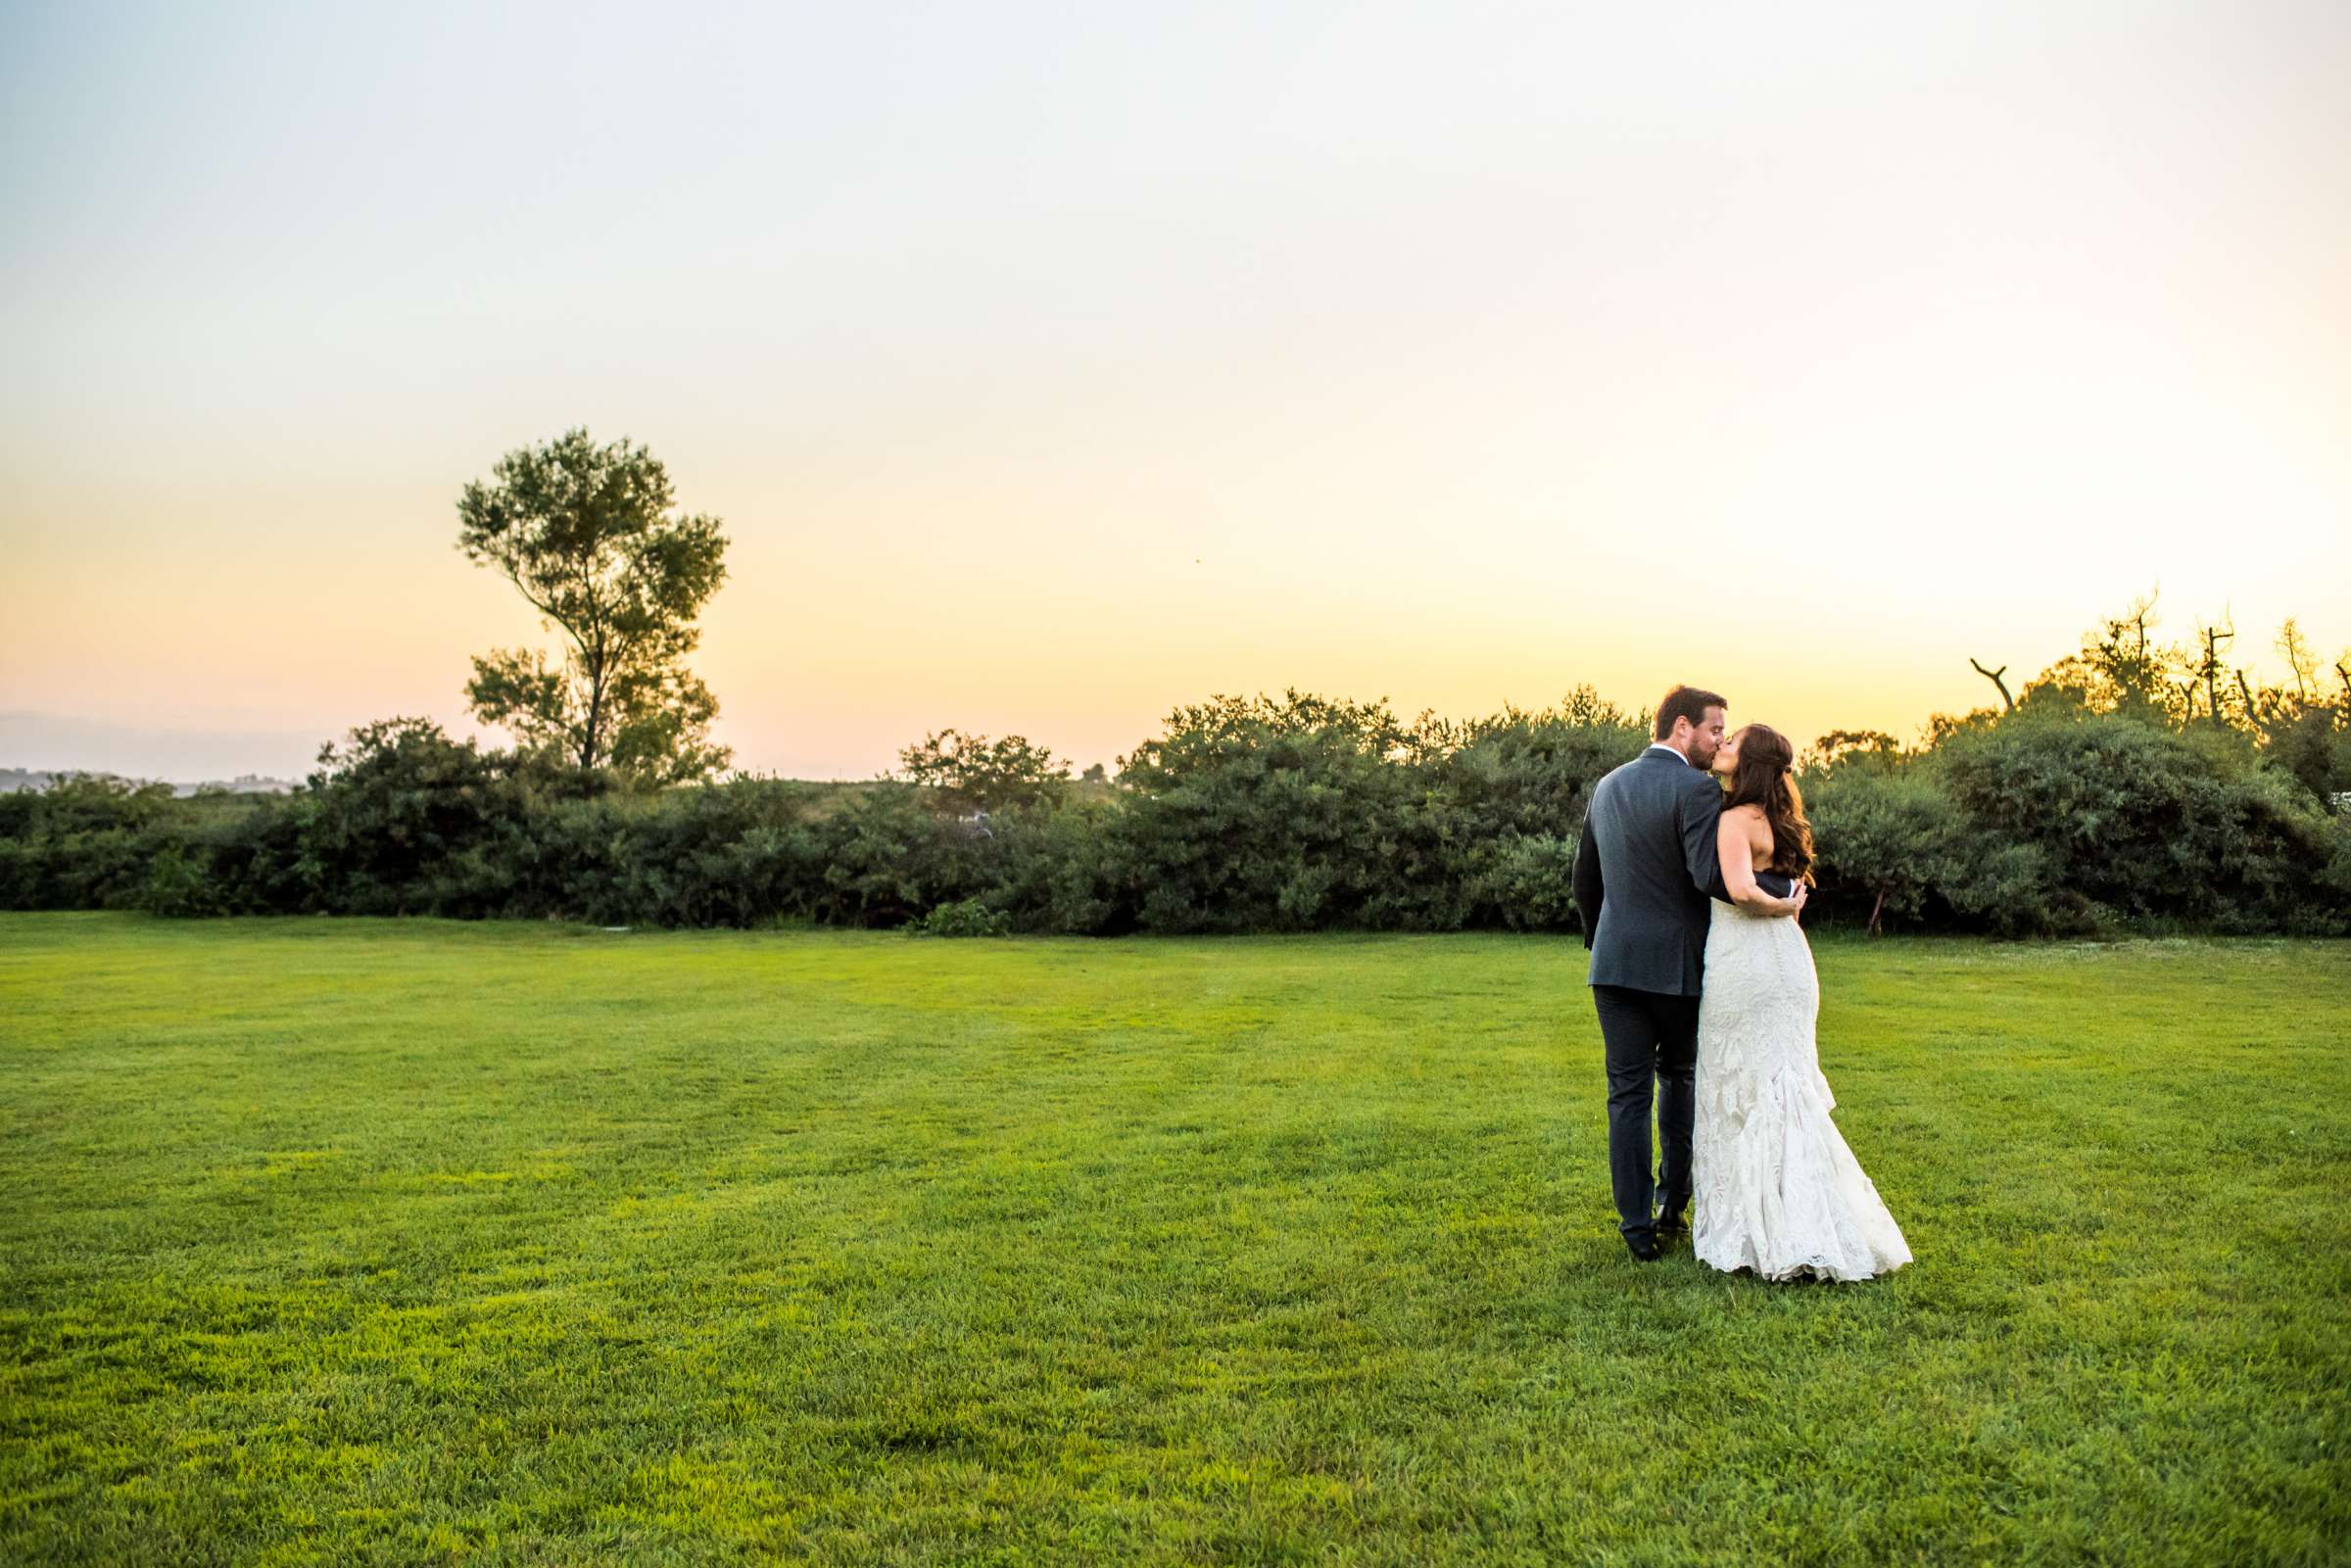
352 1241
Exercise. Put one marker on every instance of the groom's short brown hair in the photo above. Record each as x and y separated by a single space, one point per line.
1686 702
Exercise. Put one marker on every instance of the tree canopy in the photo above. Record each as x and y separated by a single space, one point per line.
586 535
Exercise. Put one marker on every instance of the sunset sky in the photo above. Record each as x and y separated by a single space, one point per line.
1051 366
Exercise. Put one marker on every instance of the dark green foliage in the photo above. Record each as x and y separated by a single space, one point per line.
84 843
1057 870
2311 745
965 916
1894 843
401 821
735 855
1250 815
885 858
1242 815
2134 823
1884 839
2059 820
180 883
1526 882
1505 806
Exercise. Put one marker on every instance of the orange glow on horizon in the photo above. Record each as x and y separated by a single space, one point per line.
1048 378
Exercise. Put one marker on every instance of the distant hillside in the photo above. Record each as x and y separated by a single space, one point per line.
13 780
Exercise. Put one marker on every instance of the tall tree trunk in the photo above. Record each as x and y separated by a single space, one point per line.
595 709
1878 908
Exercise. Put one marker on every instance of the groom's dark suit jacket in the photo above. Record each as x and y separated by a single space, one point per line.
1644 873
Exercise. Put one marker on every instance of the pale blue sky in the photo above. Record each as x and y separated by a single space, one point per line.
1055 364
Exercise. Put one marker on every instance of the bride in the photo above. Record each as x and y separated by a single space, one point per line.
1777 1189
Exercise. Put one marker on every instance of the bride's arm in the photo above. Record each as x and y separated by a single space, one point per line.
1739 869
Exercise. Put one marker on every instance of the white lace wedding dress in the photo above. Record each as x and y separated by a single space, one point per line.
1777 1191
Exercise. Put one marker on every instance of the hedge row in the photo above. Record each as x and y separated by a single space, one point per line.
1246 814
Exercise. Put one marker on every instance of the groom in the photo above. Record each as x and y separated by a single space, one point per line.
1642 874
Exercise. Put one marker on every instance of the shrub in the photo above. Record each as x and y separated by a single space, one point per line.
180 883
2134 823
1885 840
965 916
85 843
400 815
1528 883
1254 815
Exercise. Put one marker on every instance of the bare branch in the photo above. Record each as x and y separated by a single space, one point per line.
1994 676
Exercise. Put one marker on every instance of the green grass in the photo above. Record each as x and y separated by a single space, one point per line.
358 1241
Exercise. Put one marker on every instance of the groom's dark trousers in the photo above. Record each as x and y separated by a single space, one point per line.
1649 1037
1644 872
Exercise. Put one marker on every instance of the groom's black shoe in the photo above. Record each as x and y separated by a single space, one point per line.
1644 1247
1669 1224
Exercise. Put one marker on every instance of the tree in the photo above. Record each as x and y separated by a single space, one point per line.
585 533
2299 659
973 772
2133 675
2209 666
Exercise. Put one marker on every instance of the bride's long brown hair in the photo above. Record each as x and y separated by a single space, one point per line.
1764 776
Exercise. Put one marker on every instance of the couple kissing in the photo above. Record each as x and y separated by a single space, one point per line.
1695 863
